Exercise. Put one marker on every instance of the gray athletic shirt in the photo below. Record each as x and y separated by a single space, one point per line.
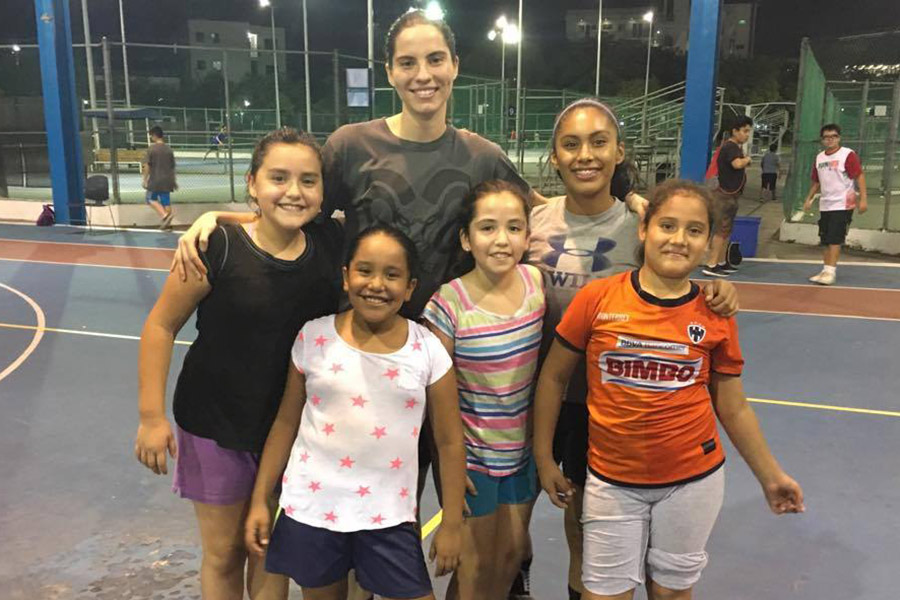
161 160
375 177
572 250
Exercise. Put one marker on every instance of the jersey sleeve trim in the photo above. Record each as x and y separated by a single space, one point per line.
569 345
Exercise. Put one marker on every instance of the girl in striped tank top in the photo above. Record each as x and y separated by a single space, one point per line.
490 322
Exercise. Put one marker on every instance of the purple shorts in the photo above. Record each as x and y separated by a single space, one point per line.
388 562
205 472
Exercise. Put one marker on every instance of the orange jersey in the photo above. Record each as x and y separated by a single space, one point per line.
652 422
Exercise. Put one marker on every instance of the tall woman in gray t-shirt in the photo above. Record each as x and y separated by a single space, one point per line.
410 170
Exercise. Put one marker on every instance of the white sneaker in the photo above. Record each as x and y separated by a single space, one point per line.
827 279
815 278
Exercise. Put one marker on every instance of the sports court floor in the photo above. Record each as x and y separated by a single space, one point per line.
80 518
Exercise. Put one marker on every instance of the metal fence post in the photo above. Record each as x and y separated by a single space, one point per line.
864 102
228 124
335 66
110 122
890 155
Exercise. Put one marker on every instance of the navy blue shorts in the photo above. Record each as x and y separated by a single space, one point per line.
388 562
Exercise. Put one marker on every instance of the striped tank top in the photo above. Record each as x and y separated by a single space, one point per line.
495 358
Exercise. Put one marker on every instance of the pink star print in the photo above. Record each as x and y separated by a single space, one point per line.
289 510
391 373
330 516
300 336
411 403
320 341
328 429
284 480
347 462
335 367
362 491
404 492
415 432
417 346
379 432
359 401
316 400
315 486
304 457
377 519
396 463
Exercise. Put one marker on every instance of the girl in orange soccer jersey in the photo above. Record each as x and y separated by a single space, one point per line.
655 354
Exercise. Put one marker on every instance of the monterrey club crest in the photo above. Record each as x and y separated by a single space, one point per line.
696 332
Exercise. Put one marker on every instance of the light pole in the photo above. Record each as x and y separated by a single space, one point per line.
306 83
599 35
89 56
508 33
371 63
125 71
519 88
264 4
648 18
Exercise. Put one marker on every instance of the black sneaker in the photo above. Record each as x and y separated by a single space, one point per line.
716 271
728 269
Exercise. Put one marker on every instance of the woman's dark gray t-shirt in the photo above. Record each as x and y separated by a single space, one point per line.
375 177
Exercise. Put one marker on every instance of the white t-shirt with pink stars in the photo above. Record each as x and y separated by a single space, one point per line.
354 463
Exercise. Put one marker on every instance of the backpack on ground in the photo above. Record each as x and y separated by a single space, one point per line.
47 216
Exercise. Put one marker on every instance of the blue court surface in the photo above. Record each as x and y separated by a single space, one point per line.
81 518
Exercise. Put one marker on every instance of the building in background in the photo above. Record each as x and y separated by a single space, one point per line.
234 34
670 24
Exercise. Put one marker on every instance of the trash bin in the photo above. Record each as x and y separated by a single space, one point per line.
746 233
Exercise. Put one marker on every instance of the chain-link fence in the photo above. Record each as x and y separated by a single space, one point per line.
855 83
214 103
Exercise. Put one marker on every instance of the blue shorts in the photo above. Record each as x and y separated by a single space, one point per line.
388 562
518 488
161 197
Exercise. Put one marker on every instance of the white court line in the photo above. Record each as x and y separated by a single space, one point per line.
100 334
809 285
799 261
38 331
65 264
87 244
802 314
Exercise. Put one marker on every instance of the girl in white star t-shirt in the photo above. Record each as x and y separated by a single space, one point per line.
350 419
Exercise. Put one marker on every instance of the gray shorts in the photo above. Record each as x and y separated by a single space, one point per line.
726 209
631 534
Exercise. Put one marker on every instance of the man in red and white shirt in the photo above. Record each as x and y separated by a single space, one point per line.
838 178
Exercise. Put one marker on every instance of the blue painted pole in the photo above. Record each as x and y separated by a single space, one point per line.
700 93
61 109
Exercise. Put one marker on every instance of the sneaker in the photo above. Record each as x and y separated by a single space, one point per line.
166 221
716 271
815 278
521 587
728 269
826 278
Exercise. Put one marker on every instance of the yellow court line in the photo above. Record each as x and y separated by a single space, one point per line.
432 524
863 411
38 331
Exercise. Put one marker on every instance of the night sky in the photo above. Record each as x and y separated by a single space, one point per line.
341 23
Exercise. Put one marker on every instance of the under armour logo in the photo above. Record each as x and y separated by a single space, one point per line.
558 243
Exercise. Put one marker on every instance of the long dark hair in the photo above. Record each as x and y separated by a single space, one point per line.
665 191
412 18
464 261
409 248
285 135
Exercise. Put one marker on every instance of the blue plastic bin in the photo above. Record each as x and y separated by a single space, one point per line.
746 232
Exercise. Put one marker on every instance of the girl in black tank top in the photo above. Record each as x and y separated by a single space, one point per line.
264 280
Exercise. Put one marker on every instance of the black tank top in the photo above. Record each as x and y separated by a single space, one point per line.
234 373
